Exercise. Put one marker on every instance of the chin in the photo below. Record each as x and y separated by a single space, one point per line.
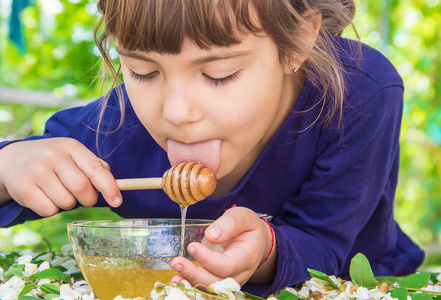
223 172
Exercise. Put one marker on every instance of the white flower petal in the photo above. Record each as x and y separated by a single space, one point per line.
15 283
59 260
154 295
226 287
360 293
24 259
30 269
292 291
176 294
44 266
69 263
88 297
186 284
29 252
304 292
44 281
67 293
9 294
48 256
66 249
318 285
342 296
82 286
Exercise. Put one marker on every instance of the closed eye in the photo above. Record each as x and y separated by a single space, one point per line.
224 80
143 77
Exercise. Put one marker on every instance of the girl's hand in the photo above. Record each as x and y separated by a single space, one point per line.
51 174
246 240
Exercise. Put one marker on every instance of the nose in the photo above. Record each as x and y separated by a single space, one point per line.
180 105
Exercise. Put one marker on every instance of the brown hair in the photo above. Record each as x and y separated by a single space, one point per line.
162 25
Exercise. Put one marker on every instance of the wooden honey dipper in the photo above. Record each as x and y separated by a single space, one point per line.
186 183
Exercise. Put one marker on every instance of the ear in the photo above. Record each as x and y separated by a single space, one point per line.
308 31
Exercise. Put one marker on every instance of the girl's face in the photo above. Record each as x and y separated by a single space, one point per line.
221 105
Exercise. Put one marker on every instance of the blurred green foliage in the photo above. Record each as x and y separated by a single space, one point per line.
408 33
61 58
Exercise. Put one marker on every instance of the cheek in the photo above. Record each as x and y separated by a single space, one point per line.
147 112
140 97
251 107
143 103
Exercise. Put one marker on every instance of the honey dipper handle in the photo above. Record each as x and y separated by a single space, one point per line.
139 183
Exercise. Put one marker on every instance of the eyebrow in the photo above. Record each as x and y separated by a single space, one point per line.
200 61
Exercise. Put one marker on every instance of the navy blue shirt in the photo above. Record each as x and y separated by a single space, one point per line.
329 190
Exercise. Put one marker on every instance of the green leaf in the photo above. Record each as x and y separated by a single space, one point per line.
77 276
52 273
12 256
253 297
361 272
433 277
322 276
49 288
26 289
5 263
15 270
28 298
400 293
286 295
389 279
421 296
61 268
415 281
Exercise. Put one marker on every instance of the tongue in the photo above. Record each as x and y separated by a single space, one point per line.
207 153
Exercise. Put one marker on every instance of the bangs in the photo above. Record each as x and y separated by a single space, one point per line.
162 25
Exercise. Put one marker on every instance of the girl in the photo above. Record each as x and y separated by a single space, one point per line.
300 125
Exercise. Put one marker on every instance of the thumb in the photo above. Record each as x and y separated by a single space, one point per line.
232 223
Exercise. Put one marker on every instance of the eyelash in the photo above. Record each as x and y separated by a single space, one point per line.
223 81
142 78
214 81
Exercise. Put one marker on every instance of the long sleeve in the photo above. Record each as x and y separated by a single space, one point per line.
74 122
345 206
130 152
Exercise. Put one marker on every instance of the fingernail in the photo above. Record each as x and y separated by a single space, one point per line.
191 249
117 201
214 232
178 268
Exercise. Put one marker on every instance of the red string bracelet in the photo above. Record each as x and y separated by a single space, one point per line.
272 242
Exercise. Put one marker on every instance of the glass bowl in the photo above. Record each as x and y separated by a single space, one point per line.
127 256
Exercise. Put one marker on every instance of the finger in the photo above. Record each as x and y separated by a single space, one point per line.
199 275
237 258
35 199
98 173
77 184
233 222
193 273
54 190
177 278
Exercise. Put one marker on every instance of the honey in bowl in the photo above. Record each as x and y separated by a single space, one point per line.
126 257
109 282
